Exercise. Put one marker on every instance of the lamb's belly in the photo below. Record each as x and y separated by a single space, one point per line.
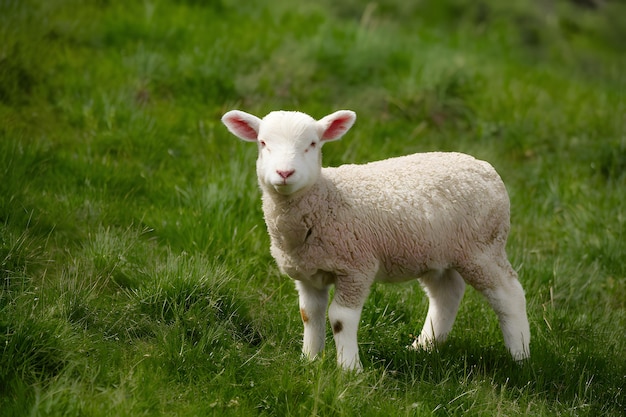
392 271
385 277
318 278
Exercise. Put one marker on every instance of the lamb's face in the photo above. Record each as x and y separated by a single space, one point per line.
289 152
290 143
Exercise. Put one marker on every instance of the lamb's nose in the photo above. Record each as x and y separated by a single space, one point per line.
285 174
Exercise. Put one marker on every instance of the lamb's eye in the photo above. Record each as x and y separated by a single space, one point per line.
262 143
311 146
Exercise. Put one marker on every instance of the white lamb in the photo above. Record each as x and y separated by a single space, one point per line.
439 217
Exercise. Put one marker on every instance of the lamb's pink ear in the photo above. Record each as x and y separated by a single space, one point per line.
335 125
243 125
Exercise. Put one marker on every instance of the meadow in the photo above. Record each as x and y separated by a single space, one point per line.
134 262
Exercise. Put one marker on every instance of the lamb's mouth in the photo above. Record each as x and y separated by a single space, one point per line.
283 188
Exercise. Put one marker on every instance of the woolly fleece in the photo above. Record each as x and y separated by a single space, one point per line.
394 220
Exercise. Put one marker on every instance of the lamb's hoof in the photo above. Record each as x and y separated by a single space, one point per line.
520 357
420 343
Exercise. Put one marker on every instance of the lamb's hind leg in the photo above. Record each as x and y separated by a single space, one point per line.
445 290
496 279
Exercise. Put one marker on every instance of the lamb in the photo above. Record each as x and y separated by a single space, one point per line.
440 217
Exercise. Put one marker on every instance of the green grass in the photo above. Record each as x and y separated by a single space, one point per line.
136 275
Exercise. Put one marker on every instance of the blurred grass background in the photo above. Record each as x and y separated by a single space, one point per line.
136 276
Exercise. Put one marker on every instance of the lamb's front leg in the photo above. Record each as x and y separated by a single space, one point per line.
313 303
345 324
345 314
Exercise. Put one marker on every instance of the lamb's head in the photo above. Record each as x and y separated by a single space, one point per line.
289 144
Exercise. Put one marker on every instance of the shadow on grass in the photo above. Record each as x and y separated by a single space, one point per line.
581 378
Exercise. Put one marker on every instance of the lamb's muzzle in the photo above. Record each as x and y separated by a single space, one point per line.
285 174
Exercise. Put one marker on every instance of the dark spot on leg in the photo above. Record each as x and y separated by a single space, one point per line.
337 327
305 318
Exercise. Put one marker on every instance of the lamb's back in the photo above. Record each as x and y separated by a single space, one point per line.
428 207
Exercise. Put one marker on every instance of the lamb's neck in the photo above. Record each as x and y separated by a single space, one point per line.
275 204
